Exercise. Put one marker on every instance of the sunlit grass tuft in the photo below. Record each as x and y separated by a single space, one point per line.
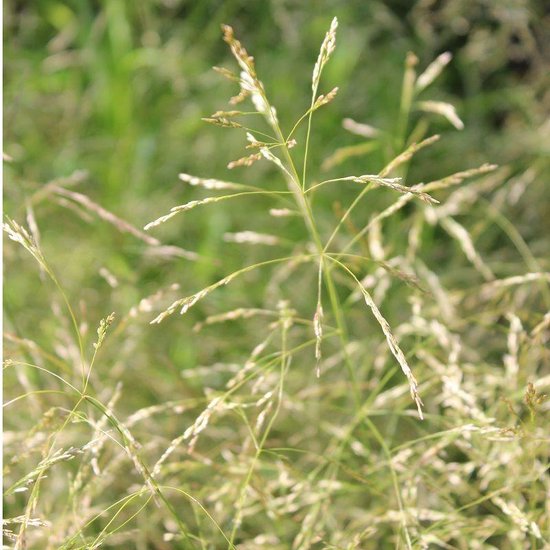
283 410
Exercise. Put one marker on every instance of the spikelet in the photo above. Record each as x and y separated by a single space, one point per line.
33 522
360 129
393 183
460 233
433 71
240 97
112 281
253 143
459 177
239 313
200 424
192 432
327 47
183 208
324 99
251 237
250 363
511 359
518 517
376 247
223 122
230 75
433 214
245 161
169 251
442 108
19 234
489 289
32 225
184 304
245 61
282 212
160 220
249 82
266 153
406 155
209 183
53 458
396 350
264 413
343 153
227 114
104 324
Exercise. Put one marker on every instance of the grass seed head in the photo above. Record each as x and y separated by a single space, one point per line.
327 47
433 70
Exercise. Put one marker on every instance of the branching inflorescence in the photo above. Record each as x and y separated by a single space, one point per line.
280 151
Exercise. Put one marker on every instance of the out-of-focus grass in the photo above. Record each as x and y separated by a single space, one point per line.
117 89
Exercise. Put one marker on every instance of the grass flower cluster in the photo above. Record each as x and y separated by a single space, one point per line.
372 374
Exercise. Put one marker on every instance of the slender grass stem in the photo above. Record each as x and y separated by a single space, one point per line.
305 210
284 365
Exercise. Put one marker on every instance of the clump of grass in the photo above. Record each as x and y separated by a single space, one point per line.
305 438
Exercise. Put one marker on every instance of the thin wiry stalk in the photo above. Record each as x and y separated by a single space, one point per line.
337 445
30 394
513 234
104 534
43 369
206 513
382 442
305 210
69 544
264 364
142 468
285 361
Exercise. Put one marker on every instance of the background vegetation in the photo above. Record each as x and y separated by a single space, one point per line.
102 111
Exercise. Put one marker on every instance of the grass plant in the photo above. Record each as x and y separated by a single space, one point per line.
361 360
